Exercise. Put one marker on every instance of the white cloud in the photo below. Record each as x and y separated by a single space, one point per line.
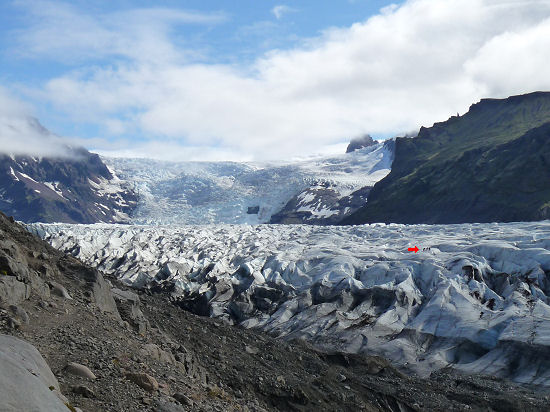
20 133
408 66
138 34
167 150
280 10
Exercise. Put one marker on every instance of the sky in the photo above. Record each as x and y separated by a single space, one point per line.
256 79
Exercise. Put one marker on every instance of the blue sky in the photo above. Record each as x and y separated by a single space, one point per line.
260 79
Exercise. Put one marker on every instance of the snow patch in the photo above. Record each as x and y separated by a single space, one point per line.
53 186
13 174
27 177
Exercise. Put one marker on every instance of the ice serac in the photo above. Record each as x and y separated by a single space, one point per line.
475 297
321 190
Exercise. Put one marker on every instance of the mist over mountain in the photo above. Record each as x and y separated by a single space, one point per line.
487 165
55 182
359 143
22 134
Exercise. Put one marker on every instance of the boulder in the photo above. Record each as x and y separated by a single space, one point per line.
14 323
144 381
13 291
79 370
92 282
13 264
83 390
102 294
154 351
39 286
128 306
26 381
183 399
19 314
59 290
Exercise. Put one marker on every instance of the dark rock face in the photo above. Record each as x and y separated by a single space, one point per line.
320 205
77 189
128 305
323 204
359 143
253 210
490 165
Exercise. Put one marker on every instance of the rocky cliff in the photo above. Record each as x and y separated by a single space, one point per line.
56 182
78 188
360 143
490 165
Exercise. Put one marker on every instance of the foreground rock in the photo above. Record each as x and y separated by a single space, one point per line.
144 381
26 381
79 370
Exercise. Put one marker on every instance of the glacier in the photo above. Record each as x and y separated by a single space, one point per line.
226 192
475 298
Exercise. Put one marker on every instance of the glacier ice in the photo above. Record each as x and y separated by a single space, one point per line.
475 297
223 192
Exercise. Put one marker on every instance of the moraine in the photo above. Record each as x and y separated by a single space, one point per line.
475 297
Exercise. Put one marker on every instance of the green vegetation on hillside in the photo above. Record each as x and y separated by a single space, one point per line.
492 164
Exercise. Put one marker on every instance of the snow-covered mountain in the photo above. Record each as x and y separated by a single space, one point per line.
475 297
321 190
44 179
77 189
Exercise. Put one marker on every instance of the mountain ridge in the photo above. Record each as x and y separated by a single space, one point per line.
67 184
448 173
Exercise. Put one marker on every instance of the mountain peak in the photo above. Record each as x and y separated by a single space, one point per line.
360 142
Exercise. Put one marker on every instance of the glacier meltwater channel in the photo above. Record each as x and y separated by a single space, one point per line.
476 299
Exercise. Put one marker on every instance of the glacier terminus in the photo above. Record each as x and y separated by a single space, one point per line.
474 298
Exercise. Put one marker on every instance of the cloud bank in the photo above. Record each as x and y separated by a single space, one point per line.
408 66
280 10
22 134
